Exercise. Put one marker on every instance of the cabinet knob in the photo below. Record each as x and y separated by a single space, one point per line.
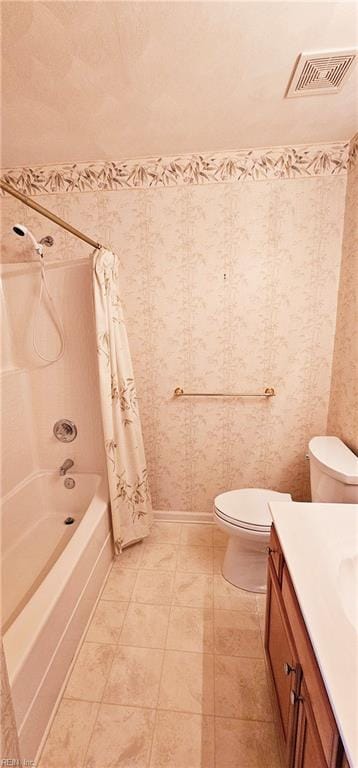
294 697
288 669
269 550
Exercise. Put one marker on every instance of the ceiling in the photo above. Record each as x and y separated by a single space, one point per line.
85 81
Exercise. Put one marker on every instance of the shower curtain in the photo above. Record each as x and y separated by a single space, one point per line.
131 507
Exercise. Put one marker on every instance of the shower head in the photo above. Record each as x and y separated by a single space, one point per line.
19 230
22 231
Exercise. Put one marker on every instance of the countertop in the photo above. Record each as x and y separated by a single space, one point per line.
320 545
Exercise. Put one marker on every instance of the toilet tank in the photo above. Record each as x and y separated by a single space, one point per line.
333 471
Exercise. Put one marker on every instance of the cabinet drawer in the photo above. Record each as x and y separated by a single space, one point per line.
319 702
275 554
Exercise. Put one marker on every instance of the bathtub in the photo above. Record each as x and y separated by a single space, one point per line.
52 574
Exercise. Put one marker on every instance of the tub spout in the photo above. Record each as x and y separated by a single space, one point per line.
65 466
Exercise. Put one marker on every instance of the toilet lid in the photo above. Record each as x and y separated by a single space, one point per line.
248 507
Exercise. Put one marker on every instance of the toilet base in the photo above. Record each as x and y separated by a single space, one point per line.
245 563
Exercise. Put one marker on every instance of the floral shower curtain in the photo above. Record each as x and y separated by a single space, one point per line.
127 472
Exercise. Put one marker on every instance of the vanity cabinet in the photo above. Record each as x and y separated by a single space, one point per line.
309 731
283 661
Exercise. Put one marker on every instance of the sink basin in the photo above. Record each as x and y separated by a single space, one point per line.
348 588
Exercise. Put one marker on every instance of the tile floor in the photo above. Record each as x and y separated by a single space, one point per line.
171 673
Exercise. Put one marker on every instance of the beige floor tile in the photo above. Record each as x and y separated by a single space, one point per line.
193 589
143 659
159 556
107 622
187 683
131 556
183 740
195 560
122 738
134 677
191 629
145 625
220 539
70 733
241 689
90 672
218 559
228 597
245 744
237 634
196 534
153 587
165 532
119 585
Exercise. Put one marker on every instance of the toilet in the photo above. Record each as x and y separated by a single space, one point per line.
244 514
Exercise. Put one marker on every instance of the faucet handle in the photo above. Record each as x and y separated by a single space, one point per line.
65 430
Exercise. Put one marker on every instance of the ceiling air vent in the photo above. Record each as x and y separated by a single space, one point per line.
323 72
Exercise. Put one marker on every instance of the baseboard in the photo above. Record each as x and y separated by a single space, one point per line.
174 516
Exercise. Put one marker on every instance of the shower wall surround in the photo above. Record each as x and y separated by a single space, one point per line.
35 395
343 406
230 271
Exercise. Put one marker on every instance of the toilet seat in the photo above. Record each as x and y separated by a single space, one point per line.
248 508
243 525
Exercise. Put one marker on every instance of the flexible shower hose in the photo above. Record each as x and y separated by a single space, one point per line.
55 316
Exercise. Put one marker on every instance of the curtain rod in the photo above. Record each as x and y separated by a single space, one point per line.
48 214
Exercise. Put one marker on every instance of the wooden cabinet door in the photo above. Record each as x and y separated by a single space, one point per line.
282 660
308 752
322 711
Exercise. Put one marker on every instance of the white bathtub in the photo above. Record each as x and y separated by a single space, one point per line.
52 574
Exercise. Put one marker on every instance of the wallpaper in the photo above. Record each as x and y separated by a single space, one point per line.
343 407
227 287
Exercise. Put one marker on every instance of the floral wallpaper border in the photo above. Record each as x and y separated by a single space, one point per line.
353 151
243 165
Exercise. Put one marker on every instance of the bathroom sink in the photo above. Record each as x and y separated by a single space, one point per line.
348 588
